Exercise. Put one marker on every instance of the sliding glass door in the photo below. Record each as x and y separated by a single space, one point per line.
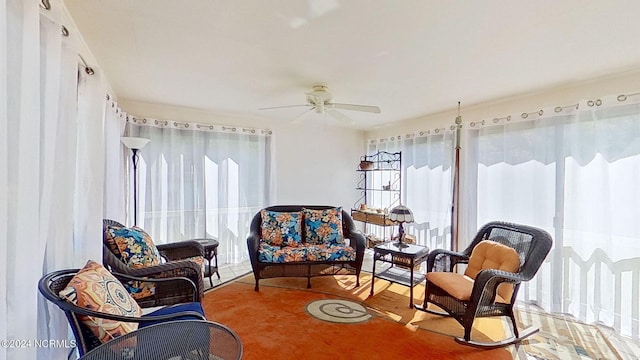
574 173
203 184
427 180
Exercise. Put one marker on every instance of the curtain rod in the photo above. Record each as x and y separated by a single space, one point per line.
558 109
45 4
197 126
87 68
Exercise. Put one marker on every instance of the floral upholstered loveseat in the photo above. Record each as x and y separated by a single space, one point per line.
304 241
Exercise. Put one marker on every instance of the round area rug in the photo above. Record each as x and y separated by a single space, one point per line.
338 311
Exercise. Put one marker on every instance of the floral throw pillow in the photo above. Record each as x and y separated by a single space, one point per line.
281 228
136 248
323 226
95 288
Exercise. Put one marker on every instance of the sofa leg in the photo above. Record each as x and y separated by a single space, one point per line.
309 283
256 288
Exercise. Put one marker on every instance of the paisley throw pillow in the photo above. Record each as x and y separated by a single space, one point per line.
95 288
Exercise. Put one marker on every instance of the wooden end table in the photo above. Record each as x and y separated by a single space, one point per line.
403 262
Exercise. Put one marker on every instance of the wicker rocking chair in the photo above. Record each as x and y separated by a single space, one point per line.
500 258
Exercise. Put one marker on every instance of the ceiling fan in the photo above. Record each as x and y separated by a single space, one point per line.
320 100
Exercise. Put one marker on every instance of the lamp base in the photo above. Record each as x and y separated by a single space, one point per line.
400 245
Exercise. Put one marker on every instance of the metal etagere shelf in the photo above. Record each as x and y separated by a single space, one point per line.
380 185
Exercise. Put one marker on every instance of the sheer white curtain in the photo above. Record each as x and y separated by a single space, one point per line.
427 179
115 163
90 167
198 181
573 171
43 184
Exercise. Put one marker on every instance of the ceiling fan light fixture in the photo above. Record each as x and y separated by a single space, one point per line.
320 101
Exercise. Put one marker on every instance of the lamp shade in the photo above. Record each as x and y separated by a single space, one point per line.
401 214
134 143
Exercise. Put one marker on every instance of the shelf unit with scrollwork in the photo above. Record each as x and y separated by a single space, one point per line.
380 185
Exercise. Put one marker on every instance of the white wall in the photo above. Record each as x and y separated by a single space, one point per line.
315 160
316 164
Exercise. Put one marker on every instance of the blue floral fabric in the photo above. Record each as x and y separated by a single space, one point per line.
281 228
323 226
276 254
135 247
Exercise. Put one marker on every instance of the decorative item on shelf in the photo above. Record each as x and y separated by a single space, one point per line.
401 214
373 240
363 206
366 165
135 144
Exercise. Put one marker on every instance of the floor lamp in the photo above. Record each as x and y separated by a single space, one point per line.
135 144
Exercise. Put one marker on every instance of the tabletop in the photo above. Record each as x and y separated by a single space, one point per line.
408 250
187 339
208 243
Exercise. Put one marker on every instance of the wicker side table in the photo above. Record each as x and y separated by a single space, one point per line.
404 261
210 254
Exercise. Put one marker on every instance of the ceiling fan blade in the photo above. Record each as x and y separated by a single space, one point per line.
282 107
354 107
340 116
301 116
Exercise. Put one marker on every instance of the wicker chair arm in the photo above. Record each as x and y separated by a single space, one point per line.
181 268
181 250
444 260
487 281
164 270
167 285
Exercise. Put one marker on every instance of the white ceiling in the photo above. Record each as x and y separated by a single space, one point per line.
409 57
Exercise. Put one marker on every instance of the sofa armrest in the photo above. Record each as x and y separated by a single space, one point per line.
253 240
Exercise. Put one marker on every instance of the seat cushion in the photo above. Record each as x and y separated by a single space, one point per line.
323 226
330 253
307 252
281 228
95 288
457 285
174 309
281 254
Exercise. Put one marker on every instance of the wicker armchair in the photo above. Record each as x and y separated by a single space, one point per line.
51 284
487 290
177 264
